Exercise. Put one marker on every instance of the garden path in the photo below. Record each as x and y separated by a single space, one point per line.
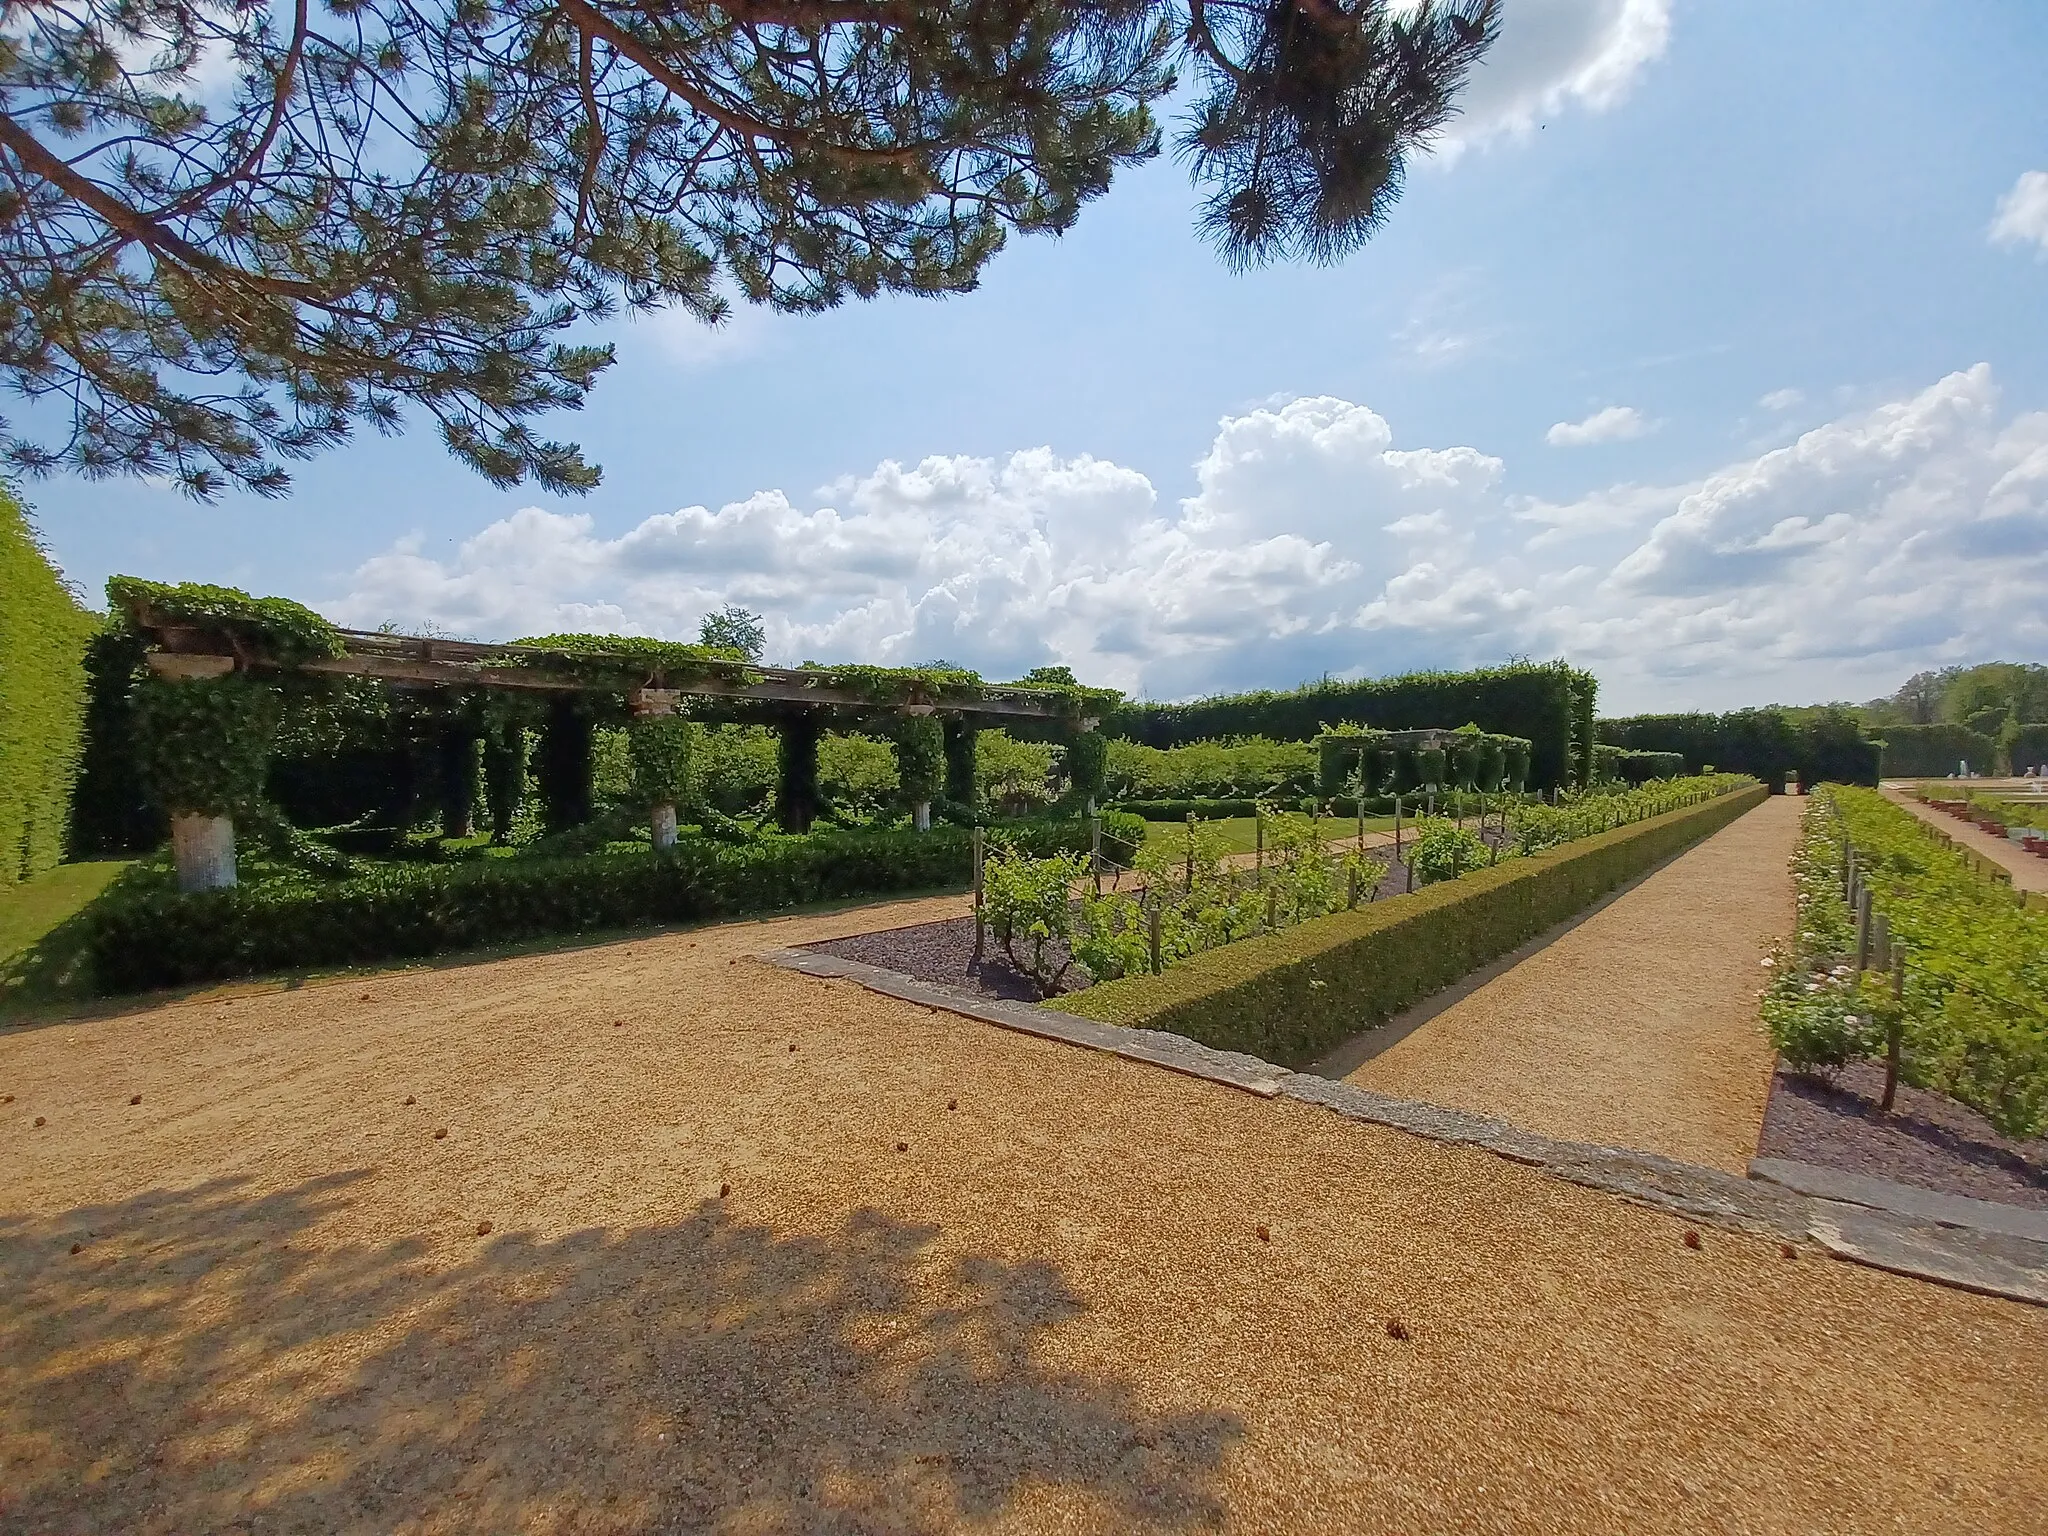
1095 1296
2029 873
1636 1028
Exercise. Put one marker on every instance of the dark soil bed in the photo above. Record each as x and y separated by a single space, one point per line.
944 953
1927 1139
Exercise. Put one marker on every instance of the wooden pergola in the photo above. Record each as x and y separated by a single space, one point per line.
797 700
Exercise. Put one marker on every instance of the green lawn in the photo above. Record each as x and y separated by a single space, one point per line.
1240 833
35 958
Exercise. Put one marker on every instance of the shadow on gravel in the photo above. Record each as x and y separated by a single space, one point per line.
200 1364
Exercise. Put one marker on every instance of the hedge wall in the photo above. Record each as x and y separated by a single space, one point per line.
43 634
2030 749
1821 746
1292 997
150 937
1932 751
1551 704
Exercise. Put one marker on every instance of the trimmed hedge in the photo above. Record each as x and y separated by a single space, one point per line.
1932 751
1823 745
152 937
1293 996
43 634
2028 748
1550 704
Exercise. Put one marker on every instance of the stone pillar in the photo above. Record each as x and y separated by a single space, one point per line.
656 704
204 850
921 816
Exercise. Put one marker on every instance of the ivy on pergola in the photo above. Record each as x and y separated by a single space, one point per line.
218 655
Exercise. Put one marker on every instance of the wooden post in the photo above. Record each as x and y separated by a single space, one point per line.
1095 848
1863 929
1272 909
1895 1034
1191 852
1259 842
1397 843
1152 923
1351 897
1880 942
975 846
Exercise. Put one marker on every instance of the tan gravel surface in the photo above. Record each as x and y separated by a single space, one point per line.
1047 1309
1638 1028
2029 873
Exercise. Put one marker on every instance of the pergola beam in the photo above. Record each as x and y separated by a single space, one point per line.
426 660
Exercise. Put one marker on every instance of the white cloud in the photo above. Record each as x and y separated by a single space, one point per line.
1553 54
1615 424
1782 399
1872 546
2022 214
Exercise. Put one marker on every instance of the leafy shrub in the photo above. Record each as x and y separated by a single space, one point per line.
143 933
661 748
1011 775
205 742
1292 996
1971 1020
1030 901
1443 850
1244 770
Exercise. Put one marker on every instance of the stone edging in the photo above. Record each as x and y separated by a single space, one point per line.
1902 1199
1993 1262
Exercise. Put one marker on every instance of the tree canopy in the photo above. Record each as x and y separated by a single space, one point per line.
234 231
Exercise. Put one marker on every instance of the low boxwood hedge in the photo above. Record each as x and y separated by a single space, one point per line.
1292 997
142 936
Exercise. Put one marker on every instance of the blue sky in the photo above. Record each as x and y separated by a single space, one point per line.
1712 353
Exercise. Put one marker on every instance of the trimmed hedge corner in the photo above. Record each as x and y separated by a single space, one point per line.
1294 996
43 633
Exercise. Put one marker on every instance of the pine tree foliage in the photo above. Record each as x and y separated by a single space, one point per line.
232 232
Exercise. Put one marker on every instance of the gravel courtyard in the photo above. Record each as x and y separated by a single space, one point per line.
915 1274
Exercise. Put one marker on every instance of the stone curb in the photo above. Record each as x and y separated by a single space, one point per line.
1174 1052
1907 1200
1993 1263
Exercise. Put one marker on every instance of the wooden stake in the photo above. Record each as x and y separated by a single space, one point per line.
1152 918
1895 1032
974 840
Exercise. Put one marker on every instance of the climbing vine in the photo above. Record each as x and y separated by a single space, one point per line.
662 748
274 628
203 744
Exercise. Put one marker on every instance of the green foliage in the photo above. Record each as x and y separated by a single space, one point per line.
1540 703
275 628
110 810
622 662
1028 901
1972 1019
1443 850
661 747
1291 997
1245 769
1934 751
735 630
43 637
2027 748
203 744
143 933
1086 762
1533 827
739 767
920 758
1820 745
857 776
1012 775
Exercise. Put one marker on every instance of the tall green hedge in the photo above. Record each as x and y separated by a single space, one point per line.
1292 997
43 635
1821 746
1550 704
1932 751
2029 748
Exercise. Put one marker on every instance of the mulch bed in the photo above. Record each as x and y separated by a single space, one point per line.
943 952
1928 1139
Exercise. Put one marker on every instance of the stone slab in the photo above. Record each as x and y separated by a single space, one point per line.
1902 1199
2011 1268
1174 1052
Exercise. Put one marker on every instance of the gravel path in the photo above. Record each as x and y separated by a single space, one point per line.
2029 873
1051 1310
1638 1028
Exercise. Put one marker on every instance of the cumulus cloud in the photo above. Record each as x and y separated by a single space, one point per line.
1554 54
1615 424
1315 542
1781 399
2022 216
